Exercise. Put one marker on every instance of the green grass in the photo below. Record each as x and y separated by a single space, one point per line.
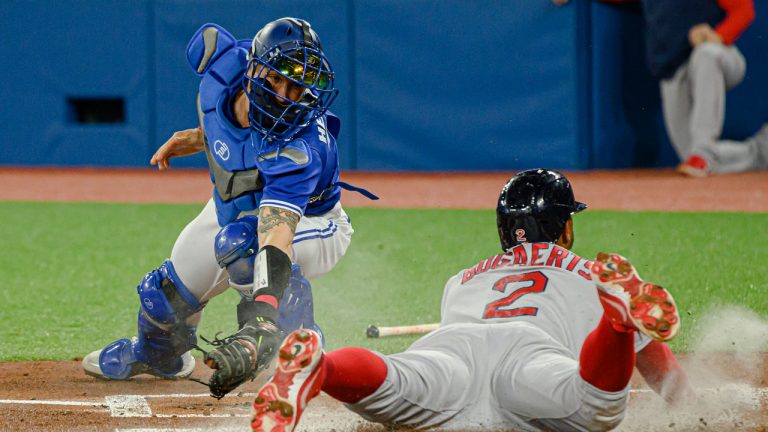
69 271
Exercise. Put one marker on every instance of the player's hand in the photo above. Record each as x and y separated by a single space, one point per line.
182 143
701 33
559 2
241 356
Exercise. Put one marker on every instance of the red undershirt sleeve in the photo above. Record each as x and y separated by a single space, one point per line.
662 372
739 14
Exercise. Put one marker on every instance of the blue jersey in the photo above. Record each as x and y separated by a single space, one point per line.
300 176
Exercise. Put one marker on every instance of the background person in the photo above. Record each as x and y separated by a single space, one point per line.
690 49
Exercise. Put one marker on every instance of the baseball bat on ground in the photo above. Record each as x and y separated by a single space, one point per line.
377 332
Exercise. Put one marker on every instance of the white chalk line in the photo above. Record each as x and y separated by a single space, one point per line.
52 402
122 406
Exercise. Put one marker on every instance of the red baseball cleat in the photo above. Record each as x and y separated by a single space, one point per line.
280 402
631 303
694 166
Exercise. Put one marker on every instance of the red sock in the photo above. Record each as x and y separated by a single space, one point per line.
608 357
352 373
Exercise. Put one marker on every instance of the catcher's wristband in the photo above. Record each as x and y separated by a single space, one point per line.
272 272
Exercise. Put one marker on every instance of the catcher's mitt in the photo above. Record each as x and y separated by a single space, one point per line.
240 356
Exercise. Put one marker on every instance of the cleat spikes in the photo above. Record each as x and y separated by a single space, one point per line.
630 303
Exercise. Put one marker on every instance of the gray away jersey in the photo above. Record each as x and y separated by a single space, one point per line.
539 283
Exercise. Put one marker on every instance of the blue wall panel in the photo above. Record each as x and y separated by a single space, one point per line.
177 20
627 124
80 49
425 84
465 86
746 105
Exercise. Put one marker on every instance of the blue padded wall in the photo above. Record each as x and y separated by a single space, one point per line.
456 85
746 105
627 126
55 51
425 84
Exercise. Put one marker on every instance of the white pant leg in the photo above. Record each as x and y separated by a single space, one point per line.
426 385
194 259
539 383
761 141
714 69
321 241
676 106
319 244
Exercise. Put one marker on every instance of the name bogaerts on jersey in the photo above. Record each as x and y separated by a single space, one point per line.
533 255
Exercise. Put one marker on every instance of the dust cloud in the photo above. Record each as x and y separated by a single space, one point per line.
727 371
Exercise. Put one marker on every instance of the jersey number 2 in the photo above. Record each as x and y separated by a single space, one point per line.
535 282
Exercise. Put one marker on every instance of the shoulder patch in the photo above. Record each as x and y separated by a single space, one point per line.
207 45
292 157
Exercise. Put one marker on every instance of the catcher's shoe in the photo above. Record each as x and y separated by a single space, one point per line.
631 303
117 361
281 401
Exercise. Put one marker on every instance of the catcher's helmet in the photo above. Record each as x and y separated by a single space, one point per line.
290 48
534 206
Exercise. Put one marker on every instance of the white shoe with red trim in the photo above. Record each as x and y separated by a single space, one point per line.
695 166
631 303
281 401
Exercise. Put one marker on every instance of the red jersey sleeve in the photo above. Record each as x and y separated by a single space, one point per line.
662 372
739 14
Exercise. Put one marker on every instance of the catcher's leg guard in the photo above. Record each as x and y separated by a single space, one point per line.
164 339
296 308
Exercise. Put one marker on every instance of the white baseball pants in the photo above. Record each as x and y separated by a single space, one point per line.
318 245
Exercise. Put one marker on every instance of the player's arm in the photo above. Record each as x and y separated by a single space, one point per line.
739 14
253 346
182 143
277 226
663 373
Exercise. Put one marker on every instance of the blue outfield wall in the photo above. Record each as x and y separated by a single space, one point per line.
425 84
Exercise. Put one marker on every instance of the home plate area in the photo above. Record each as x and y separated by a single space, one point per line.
57 396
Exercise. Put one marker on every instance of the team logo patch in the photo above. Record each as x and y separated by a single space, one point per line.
221 149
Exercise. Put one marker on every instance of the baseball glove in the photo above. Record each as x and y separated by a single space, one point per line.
241 356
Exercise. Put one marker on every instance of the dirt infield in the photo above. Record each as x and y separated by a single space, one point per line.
662 190
57 396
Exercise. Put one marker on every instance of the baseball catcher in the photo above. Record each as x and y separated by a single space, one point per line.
274 219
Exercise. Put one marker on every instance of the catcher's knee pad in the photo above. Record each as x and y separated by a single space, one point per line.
235 249
164 297
163 335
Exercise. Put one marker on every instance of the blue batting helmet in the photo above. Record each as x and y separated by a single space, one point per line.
290 48
534 206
